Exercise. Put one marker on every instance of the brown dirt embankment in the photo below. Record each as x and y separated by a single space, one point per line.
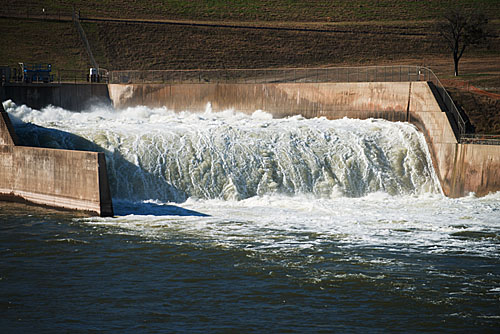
145 46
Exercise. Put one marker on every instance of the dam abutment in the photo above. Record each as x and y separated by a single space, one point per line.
74 180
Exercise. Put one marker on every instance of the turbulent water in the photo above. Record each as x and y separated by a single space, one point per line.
245 223
157 154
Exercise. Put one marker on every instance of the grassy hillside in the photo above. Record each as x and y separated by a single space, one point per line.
343 32
334 33
119 46
32 41
251 10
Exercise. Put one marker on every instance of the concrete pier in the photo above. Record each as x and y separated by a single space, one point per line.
66 179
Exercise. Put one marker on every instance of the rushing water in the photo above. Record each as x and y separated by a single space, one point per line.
244 223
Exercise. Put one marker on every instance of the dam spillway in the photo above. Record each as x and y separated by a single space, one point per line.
321 241
460 168
156 154
61 178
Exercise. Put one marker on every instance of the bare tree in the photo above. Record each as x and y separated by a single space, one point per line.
462 28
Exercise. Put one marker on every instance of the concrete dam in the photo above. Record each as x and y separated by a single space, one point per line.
67 179
460 168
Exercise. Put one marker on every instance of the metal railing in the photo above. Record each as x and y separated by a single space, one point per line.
480 139
447 101
272 75
61 76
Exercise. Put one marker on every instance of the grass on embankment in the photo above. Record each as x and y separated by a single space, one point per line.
256 10
362 32
368 33
42 41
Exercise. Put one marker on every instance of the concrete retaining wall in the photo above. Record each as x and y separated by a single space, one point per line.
461 168
58 178
74 97
476 169
310 100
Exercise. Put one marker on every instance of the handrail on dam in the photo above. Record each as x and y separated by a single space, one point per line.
274 75
397 73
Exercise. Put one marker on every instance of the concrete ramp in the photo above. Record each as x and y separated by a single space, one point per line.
74 180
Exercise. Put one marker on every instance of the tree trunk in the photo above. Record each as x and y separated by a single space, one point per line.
456 66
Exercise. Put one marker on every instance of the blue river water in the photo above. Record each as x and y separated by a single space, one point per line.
61 273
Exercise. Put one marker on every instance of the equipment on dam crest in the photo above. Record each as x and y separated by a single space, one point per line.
36 73
5 73
97 75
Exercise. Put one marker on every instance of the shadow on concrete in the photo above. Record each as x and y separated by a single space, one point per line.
128 182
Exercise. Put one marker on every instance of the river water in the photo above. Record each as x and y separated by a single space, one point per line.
228 222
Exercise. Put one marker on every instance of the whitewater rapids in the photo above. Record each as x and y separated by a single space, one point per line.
158 154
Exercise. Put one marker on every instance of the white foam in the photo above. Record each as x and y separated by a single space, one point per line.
275 184
406 224
160 154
